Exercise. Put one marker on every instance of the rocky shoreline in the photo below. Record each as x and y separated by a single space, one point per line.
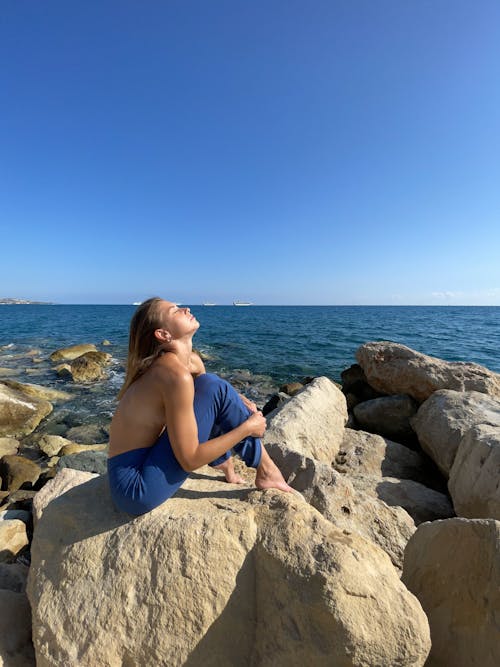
389 554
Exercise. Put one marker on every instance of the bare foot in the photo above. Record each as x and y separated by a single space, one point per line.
269 476
229 472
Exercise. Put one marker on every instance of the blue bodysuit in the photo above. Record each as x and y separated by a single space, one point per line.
141 479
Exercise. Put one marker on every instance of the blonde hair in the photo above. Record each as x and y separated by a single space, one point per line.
143 347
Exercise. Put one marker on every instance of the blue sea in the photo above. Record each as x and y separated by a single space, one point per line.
256 347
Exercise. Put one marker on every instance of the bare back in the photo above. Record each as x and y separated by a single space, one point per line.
140 416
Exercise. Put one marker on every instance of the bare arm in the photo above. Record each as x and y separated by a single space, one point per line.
178 398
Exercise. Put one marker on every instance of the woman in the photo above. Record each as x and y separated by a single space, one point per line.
173 417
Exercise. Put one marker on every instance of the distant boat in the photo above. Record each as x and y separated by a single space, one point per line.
242 303
136 303
209 303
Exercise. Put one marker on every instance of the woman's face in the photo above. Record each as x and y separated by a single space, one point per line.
178 321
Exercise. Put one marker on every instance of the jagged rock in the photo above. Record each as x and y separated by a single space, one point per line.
13 538
19 413
16 648
396 369
364 453
105 342
443 420
81 369
17 471
8 446
51 445
388 416
453 567
421 503
475 475
7 372
311 422
69 353
214 576
334 496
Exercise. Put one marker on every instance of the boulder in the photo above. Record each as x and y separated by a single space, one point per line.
87 434
364 453
311 422
51 445
38 391
90 461
217 575
350 509
388 416
291 388
8 446
13 538
16 471
474 482
19 413
453 567
75 448
69 353
81 369
66 479
421 503
443 420
396 369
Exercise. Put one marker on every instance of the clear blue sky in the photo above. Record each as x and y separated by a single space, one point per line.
312 152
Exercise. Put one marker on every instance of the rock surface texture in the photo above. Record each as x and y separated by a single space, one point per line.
392 368
218 575
311 422
453 567
444 419
20 413
474 482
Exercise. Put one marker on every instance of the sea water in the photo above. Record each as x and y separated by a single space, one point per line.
256 347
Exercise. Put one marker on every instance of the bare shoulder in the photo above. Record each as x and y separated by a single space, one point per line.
168 372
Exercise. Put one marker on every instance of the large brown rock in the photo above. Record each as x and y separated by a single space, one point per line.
16 471
20 414
311 422
69 353
474 482
217 575
396 369
453 567
81 369
443 420
38 391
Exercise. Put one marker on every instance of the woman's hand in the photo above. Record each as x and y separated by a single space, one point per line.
257 424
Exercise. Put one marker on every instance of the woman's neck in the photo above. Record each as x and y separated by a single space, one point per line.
182 348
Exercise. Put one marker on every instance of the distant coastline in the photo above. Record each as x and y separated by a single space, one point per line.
11 302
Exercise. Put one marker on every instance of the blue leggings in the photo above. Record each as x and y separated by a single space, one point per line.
141 479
